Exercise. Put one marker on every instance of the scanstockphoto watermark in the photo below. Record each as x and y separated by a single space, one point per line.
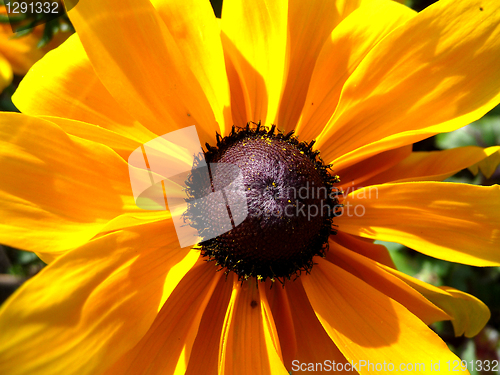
435 366
366 365
309 191
308 201
309 211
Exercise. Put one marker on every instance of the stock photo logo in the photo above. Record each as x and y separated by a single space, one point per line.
159 171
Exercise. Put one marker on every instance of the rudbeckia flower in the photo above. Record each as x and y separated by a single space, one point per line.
19 53
364 79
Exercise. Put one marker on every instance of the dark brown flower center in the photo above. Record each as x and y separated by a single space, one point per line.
290 204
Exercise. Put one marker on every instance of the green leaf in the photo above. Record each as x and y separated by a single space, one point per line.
484 132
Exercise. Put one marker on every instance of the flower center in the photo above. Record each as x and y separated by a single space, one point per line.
290 204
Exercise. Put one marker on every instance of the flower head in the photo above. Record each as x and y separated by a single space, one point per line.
364 79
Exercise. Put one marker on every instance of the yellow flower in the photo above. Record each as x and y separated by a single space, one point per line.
366 79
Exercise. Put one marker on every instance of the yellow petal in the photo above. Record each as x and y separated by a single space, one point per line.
205 352
238 106
64 84
375 275
133 219
57 191
248 340
356 175
342 52
434 165
436 73
367 248
488 165
120 143
367 326
119 223
469 314
455 222
194 27
309 25
5 73
138 61
166 347
270 332
254 37
282 313
82 312
313 343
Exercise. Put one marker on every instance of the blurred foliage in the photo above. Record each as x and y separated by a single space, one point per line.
24 23
483 283
6 97
23 264
484 132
